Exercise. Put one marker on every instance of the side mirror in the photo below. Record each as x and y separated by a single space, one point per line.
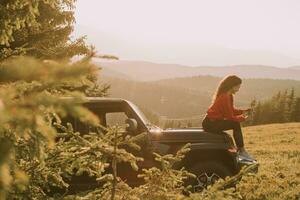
131 125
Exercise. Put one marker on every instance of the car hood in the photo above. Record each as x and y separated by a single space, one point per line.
187 135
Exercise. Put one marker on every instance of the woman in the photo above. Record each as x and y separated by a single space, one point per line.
222 115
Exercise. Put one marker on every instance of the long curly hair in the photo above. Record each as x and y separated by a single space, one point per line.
226 84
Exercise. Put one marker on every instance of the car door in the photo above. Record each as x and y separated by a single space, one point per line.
125 170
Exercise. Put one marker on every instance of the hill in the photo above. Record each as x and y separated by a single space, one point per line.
189 97
295 67
162 100
147 71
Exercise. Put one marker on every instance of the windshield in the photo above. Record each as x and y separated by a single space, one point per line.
139 113
144 119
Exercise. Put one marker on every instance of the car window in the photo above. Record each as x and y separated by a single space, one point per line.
116 119
78 126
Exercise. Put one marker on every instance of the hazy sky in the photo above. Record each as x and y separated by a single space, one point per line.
194 32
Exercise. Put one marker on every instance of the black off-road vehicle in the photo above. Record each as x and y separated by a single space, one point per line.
212 155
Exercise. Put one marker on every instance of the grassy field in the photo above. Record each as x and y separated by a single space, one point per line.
277 149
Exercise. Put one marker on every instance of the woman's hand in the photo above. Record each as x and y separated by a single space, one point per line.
248 110
245 116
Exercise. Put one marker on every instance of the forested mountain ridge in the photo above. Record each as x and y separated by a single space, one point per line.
147 71
295 67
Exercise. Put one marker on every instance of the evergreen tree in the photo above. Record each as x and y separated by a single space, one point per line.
29 96
257 115
290 102
285 106
291 99
39 28
295 113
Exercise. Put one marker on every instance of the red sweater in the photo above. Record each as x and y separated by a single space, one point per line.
223 108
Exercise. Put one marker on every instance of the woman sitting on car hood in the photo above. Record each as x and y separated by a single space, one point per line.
222 115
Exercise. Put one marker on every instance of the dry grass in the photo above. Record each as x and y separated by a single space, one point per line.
275 143
277 148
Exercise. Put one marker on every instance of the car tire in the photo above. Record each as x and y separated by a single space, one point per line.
207 172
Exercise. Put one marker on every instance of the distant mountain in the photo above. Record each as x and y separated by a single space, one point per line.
115 74
193 53
295 67
147 71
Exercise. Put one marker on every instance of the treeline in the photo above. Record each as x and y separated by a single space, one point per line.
282 107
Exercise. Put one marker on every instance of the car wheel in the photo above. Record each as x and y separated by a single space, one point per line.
207 173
